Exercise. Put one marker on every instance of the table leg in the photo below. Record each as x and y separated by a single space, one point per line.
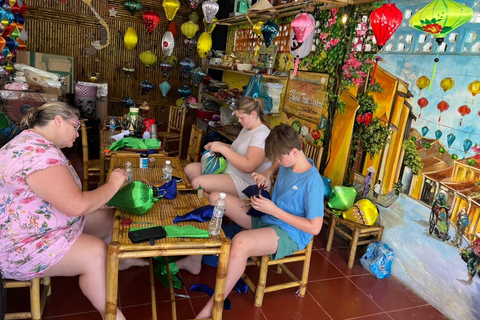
331 232
219 295
112 281
353 249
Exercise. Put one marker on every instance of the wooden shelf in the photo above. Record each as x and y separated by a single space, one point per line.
212 97
250 74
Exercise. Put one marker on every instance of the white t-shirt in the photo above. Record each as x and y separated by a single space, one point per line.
247 138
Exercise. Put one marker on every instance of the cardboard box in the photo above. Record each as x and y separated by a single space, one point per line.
62 65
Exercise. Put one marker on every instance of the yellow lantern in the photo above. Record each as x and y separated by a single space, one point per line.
5 23
9 68
171 59
474 88
189 29
170 7
210 26
179 102
257 28
423 82
204 44
130 39
148 58
12 2
447 84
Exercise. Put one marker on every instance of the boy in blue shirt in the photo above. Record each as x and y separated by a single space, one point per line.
294 214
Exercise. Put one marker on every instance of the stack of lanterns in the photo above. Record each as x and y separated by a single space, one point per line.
12 35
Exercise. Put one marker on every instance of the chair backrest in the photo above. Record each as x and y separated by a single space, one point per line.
313 152
176 119
193 154
83 131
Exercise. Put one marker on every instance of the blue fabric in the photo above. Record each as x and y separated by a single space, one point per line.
227 305
251 191
300 194
167 190
230 231
201 214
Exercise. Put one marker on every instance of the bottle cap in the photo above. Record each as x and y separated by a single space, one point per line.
167 162
223 195
199 187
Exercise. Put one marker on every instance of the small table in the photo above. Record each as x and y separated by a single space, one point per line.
162 213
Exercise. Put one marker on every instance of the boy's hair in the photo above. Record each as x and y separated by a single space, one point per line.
281 140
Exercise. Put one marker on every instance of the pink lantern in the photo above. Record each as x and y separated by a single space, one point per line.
301 49
302 26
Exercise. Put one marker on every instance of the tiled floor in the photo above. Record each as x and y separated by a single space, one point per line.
333 292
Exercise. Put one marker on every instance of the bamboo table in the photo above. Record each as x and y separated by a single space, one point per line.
162 213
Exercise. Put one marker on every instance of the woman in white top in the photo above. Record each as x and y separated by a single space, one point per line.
244 156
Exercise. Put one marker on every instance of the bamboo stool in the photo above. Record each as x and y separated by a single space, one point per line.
37 297
264 262
357 234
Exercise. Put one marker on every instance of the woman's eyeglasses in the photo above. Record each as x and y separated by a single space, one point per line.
76 124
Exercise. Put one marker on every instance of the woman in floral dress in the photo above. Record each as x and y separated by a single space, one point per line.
48 225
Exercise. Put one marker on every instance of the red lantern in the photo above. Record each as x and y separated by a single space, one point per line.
422 103
463 110
442 106
384 21
173 29
152 19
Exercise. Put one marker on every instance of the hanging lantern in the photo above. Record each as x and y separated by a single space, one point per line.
450 139
463 110
193 4
190 100
173 29
3 42
441 150
447 84
168 43
204 44
127 102
132 6
471 162
187 65
148 58
152 19
303 24
427 145
269 31
467 144
474 88
210 9
171 59
184 91
130 39
193 16
422 103
164 88
128 70
146 86
210 26
198 74
189 29
438 134
384 21
170 7
166 67
454 157
442 106
21 44
439 18
257 28
425 131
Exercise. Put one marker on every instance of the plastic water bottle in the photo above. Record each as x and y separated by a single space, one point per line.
129 170
112 125
219 209
167 171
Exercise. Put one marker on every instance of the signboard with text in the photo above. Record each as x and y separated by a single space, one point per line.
305 95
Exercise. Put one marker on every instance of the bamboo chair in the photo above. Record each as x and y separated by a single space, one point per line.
176 122
38 297
264 262
91 168
193 154
313 152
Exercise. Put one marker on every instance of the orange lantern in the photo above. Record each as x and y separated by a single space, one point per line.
442 106
474 88
463 110
447 84
422 103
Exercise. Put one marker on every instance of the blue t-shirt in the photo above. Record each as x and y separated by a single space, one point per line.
300 194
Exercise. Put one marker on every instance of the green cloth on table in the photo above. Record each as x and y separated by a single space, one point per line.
187 231
135 143
136 197
161 273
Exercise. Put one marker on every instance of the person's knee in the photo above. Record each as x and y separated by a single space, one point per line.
212 197
98 252
240 245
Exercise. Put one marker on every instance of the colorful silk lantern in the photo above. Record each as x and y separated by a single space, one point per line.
3 42
441 150
427 145
302 26
451 139
438 134
152 19
168 43
187 65
164 88
471 162
170 7
15 8
342 198
148 58
166 67
439 18
130 39
198 74
193 16
442 106
193 4
422 103
467 144
180 102
171 59
454 157
128 70
269 31
303 23
463 110
21 44
447 84
257 28
425 131
210 26
210 9
189 29
204 44
146 86
191 100
132 6
184 91
384 21
474 88
173 29
127 102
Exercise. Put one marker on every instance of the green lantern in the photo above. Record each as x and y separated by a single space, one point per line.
471 162
427 145
439 18
441 150
454 157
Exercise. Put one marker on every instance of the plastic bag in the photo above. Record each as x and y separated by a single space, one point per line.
213 163
378 259
255 89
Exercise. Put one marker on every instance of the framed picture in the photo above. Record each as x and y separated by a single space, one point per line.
264 53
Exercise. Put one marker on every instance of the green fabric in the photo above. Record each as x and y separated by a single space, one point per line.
161 273
286 245
135 143
136 197
187 231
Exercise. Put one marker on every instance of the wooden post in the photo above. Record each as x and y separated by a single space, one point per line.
219 295
112 281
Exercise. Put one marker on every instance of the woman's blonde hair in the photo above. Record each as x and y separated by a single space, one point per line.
47 112
247 105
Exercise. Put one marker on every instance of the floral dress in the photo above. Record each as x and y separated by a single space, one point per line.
34 235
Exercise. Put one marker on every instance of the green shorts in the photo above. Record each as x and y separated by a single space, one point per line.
286 245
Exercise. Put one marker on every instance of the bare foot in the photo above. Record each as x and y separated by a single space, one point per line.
124 264
206 312
192 264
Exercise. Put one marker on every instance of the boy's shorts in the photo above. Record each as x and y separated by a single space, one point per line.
286 245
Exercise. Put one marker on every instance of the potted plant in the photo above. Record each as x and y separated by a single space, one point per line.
398 187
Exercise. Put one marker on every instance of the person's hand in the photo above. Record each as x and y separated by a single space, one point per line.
118 178
263 204
261 180
215 146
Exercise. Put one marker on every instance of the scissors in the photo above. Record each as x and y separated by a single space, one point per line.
262 187
128 222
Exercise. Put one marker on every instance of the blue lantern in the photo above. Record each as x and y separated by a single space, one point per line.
450 139
467 144
269 31
165 88
146 86
166 67
127 102
323 123
10 44
187 65
424 131
438 134
184 91
198 75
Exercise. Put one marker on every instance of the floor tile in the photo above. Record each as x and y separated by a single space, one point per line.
164 310
381 316
342 299
389 293
418 313
339 257
79 316
320 268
